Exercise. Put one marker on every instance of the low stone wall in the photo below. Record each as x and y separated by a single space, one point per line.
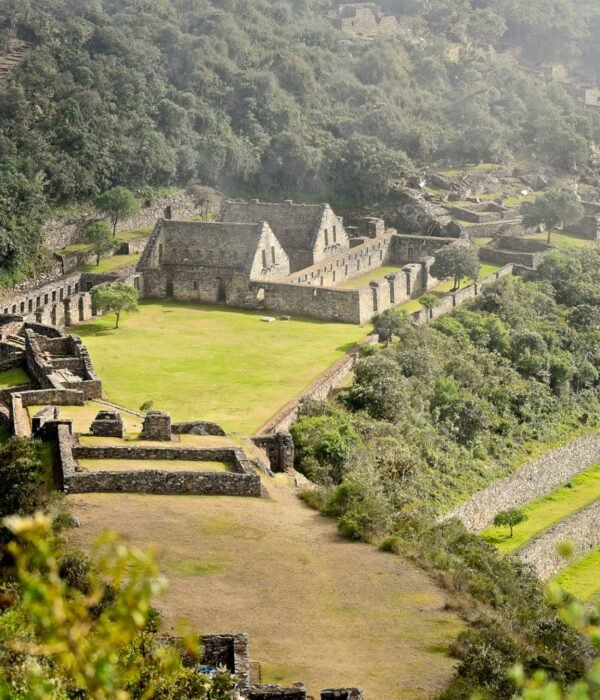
243 481
491 229
277 692
234 456
279 448
581 529
197 428
166 483
498 256
456 299
533 480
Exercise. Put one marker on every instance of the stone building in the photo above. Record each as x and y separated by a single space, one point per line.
363 18
211 262
309 233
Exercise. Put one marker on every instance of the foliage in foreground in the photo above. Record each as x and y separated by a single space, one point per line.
75 630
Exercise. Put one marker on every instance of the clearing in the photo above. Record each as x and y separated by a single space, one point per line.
582 579
13 377
110 264
545 512
318 608
212 362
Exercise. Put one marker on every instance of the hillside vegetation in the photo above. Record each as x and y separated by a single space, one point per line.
261 96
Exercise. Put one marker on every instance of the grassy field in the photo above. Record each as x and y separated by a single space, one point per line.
132 465
330 612
364 280
110 264
545 512
563 240
212 363
13 377
582 579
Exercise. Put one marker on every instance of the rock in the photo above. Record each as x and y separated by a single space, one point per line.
416 182
453 229
541 183
74 521
439 181
285 318
267 319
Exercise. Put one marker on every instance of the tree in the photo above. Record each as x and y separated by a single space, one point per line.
116 204
429 301
116 298
510 518
551 209
93 640
100 236
205 198
457 262
389 323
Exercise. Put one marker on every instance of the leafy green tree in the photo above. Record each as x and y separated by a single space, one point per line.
117 204
101 238
551 209
429 301
115 298
391 323
510 518
457 262
96 642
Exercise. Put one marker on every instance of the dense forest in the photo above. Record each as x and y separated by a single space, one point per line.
439 413
267 97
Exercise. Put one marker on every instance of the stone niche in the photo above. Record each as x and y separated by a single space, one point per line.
157 426
108 424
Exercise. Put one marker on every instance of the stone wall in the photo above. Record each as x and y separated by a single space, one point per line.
581 529
506 257
279 448
408 249
456 299
342 694
588 227
198 427
60 233
533 480
345 266
492 229
277 692
242 481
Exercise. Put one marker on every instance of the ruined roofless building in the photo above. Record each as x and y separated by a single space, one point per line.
309 233
211 262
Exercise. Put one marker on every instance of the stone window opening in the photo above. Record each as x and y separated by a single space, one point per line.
54 295
45 299
61 294
326 238
69 291
273 258
14 309
264 259
195 286
22 307
30 305
38 303
160 252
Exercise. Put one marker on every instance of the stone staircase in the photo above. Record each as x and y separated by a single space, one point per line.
17 54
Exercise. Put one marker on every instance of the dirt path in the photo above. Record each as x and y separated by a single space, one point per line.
317 608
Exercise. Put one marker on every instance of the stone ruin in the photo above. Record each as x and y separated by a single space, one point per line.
108 424
157 426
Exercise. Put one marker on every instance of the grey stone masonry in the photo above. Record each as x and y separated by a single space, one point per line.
342 694
277 692
157 426
108 424
581 529
533 480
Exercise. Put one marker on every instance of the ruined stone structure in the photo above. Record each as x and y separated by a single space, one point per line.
157 426
362 18
515 250
286 258
211 262
309 233
108 424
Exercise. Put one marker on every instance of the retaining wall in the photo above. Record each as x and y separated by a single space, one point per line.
534 480
581 529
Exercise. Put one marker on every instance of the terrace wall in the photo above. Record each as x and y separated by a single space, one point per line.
534 480
581 529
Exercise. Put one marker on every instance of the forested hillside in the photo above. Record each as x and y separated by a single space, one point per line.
266 96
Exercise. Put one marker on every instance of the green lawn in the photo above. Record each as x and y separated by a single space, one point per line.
583 578
212 363
545 512
13 377
364 280
563 240
110 264
134 465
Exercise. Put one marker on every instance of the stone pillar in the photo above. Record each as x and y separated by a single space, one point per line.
157 426
285 447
